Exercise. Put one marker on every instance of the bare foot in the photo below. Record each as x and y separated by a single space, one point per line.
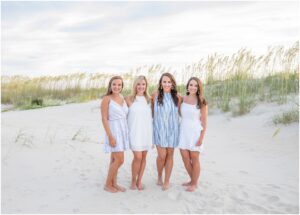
119 188
187 183
165 186
140 186
133 186
159 182
110 189
191 188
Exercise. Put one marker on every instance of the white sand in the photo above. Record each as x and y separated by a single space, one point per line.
244 168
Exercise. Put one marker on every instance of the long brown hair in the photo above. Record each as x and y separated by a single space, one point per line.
200 98
109 90
134 91
160 96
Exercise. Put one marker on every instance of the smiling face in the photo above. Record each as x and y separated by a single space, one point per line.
193 87
116 86
141 87
166 84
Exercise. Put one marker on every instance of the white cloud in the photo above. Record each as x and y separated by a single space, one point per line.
103 37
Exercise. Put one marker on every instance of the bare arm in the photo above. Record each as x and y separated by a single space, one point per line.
153 97
104 114
180 100
203 119
128 100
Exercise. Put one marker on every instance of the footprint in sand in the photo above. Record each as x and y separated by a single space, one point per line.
241 186
65 197
245 194
272 199
43 206
219 174
98 185
255 208
187 209
174 195
243 172
87 170
273 186
83 177
76 210
237 200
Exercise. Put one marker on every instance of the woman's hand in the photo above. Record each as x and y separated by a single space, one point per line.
199 142
112 141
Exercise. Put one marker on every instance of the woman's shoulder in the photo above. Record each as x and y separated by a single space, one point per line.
129 98
154 94
180 98
106 98
105 101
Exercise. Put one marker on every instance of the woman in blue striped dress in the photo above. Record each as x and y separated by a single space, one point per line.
165 103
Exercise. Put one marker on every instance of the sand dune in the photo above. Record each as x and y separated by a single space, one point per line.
52 162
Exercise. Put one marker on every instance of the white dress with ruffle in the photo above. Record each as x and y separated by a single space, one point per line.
117 119
190 128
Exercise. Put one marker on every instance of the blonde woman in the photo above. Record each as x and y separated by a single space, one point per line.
114 118
140 129
192 130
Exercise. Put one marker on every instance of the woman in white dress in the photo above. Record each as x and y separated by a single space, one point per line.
140 129
114 118
192 130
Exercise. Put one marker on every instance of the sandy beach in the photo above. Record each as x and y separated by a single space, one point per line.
52 162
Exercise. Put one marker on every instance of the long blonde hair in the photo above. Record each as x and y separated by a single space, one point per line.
134 91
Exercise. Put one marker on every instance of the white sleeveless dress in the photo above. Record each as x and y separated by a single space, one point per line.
117 119
190 128
140 125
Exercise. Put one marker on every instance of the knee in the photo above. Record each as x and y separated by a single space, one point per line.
170 155
119 160
195 161
162 157
186 160
144 158
138 158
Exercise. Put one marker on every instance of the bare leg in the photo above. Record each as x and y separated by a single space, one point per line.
160 163
135 167
186 158
195 171
119 159
141 172
169 167
113 168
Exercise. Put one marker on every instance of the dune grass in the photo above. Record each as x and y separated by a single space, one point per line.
287 117
232 83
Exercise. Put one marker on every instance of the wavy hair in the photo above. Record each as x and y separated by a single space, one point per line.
200 98
160 96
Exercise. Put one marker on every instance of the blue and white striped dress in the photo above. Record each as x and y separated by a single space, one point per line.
117 119
166 122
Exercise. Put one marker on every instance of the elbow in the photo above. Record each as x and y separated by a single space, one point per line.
104 120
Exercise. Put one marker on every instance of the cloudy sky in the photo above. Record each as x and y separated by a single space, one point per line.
51 38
